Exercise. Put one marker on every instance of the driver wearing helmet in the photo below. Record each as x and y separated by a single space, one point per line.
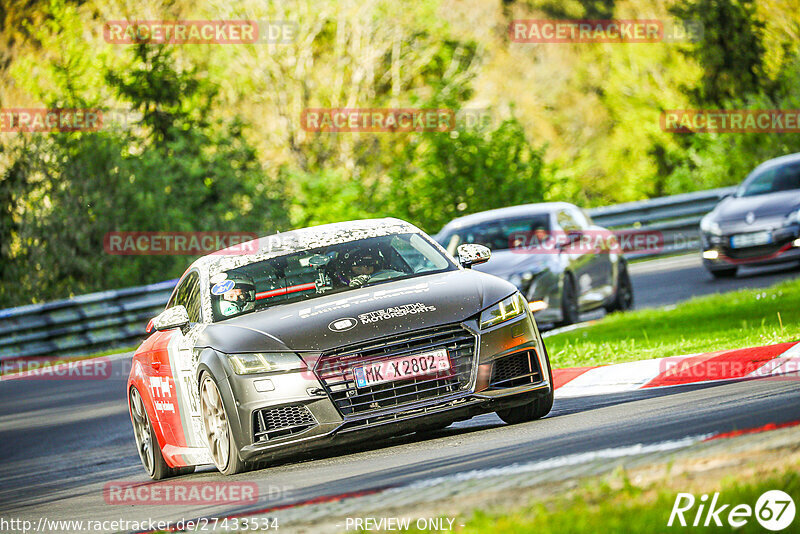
241 298
361 264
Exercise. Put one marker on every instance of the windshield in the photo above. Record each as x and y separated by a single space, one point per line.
497 235
772 180
323 271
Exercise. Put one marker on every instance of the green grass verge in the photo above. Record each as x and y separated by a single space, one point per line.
630 509
744 318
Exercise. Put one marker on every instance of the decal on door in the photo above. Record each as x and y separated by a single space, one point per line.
161 389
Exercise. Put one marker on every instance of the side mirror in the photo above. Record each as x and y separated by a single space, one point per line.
470 254
175 317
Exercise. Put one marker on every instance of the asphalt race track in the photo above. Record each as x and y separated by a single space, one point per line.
668 281
61 441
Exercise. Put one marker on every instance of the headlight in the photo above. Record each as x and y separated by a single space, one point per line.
265 362
709 226
513 306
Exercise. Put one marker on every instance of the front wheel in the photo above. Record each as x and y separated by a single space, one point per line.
219 437
569 302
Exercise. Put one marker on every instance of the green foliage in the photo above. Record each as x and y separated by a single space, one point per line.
595 107
712 160
731 52
435 177
446 175
66 191
170 100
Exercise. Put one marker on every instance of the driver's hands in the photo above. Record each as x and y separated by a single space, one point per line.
359 280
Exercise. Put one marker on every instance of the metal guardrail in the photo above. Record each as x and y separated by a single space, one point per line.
677 217
100 321
81 325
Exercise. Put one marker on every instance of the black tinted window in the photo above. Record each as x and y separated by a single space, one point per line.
497 235
772 180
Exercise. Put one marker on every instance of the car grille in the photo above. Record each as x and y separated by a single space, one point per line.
271 423
752 252
516 370
335 371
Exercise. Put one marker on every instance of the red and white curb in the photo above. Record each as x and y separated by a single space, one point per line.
737 364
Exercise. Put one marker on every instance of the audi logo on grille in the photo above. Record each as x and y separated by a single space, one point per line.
340 325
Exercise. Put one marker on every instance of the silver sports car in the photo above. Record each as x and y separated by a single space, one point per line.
552 252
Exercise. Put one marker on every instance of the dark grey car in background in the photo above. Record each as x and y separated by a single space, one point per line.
559 281
757 225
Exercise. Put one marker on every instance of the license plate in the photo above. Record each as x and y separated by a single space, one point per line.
751 240
413 366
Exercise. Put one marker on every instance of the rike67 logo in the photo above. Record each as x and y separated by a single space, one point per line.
774 510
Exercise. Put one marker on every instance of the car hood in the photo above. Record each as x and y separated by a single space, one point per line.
772 204
350 317
505 262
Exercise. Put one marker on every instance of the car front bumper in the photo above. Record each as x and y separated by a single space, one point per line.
506 366
717 253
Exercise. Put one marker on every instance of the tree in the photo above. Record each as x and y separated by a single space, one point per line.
731 52
446 175
175 171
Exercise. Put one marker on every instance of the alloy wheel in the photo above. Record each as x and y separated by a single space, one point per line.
142 432
216 423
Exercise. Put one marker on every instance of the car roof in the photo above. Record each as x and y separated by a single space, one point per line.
506 213
284 243
777 162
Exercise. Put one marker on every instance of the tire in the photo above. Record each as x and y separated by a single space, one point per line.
730 272
147 443
220 440
623 299
536 409
569 302
180 471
